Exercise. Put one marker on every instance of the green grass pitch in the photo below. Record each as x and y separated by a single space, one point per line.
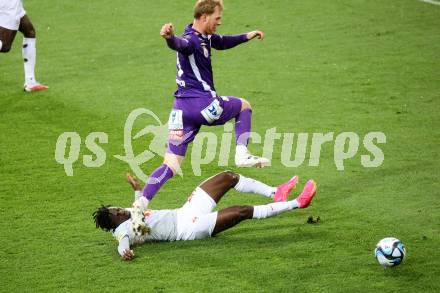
324 66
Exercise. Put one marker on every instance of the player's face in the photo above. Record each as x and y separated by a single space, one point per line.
119 214
213 21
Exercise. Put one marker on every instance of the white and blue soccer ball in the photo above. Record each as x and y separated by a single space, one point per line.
390 252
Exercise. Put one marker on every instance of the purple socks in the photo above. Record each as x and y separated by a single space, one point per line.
158 178
243 123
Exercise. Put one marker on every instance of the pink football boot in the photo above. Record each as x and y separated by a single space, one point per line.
306 196
35 87
284 189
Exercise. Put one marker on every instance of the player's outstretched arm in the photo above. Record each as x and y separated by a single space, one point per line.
175 43
227 42
167 31
124 249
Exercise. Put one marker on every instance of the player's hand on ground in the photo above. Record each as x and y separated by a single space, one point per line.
167 31
128 254
133 182
255 34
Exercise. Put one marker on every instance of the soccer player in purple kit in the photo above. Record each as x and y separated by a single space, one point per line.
197 102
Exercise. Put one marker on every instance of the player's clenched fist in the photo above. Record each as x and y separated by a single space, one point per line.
255 34
167 31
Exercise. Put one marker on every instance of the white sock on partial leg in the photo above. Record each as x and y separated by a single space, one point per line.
137 194
137 216
1 44
251 185
241 150
29 53
141 203
273 209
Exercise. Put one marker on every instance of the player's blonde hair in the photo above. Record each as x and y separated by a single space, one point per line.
206 7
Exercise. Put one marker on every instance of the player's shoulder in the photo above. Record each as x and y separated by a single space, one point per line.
215 36
122 231
191 37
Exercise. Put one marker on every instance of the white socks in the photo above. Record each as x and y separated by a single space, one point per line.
273 209
137 194
1 44
137 216
141 203
251 185
241 150
29 53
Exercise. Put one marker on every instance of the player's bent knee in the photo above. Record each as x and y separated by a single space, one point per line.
230 177
31 34
173 161
5 48
245 104
246 212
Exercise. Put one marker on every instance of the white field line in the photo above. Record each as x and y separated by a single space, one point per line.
435 2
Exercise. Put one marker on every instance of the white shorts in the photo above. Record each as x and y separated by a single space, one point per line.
11 12
195 220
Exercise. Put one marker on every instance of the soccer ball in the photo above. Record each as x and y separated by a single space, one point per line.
390 252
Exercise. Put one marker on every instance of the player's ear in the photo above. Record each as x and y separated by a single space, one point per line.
204 18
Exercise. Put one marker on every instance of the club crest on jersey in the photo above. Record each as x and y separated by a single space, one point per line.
205 50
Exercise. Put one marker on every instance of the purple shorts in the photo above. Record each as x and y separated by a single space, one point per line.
189 114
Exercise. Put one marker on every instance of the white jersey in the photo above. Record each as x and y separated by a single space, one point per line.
162 224
195 220
11 11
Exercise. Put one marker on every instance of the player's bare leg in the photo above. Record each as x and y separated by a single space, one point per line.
6 39
29 53
173 161
243 123
229 217
218 185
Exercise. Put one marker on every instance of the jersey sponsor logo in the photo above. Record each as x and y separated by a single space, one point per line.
212 112
175 122
175 125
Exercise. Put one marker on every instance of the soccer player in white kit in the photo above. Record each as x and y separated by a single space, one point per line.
196 219
13 18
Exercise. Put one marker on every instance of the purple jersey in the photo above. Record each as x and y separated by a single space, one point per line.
194 71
